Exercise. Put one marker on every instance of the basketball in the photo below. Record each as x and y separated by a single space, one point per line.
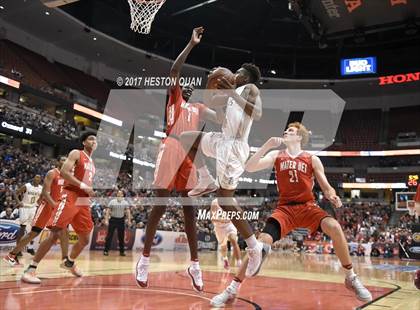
217 74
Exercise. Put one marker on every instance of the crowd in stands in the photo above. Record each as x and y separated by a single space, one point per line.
18 167
369 224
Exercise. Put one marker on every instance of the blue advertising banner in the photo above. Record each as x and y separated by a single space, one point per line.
354 66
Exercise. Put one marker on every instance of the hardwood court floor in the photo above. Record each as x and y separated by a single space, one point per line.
287 281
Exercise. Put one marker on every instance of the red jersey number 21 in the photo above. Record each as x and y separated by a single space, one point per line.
293 176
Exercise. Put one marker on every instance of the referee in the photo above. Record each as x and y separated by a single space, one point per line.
117 208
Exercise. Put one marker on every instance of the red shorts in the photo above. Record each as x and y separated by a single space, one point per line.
417 198
308 215
174 169
42 215
74 210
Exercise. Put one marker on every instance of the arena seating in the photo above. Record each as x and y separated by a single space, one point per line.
39 73
10 61
358 130
404 119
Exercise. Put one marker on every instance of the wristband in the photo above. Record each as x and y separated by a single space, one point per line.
83 185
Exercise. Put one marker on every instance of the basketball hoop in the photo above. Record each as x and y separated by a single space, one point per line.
143 13
411 206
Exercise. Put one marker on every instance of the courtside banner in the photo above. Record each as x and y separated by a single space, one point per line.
207 241
325 247
56 246
99 237
163 240
318 247
8 233
412 247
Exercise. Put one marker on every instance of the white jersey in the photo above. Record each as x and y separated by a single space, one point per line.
31 195
237 124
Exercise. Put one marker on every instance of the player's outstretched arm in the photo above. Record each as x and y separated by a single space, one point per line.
261 160
180 60
46 188
326 188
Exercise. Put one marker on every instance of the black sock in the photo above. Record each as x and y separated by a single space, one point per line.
68 263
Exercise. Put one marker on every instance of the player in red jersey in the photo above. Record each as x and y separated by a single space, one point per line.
417 201
50 195
174 169
74 208
417 206
295 173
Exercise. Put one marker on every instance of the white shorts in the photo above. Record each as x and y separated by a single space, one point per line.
26 215
223 232
230 155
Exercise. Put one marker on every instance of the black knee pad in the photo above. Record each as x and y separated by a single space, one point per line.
272 227
36 229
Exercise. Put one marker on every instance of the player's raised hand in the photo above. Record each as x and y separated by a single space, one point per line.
336 201
274 142
224 83
196 35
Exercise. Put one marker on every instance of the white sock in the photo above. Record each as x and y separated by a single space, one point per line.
349 272
195 264
251 241
234 286
204 173
225 258
144 260
33 263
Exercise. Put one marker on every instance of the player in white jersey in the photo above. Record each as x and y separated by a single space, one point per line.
225 231
242 104
30 193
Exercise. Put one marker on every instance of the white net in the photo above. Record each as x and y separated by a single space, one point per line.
142 14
